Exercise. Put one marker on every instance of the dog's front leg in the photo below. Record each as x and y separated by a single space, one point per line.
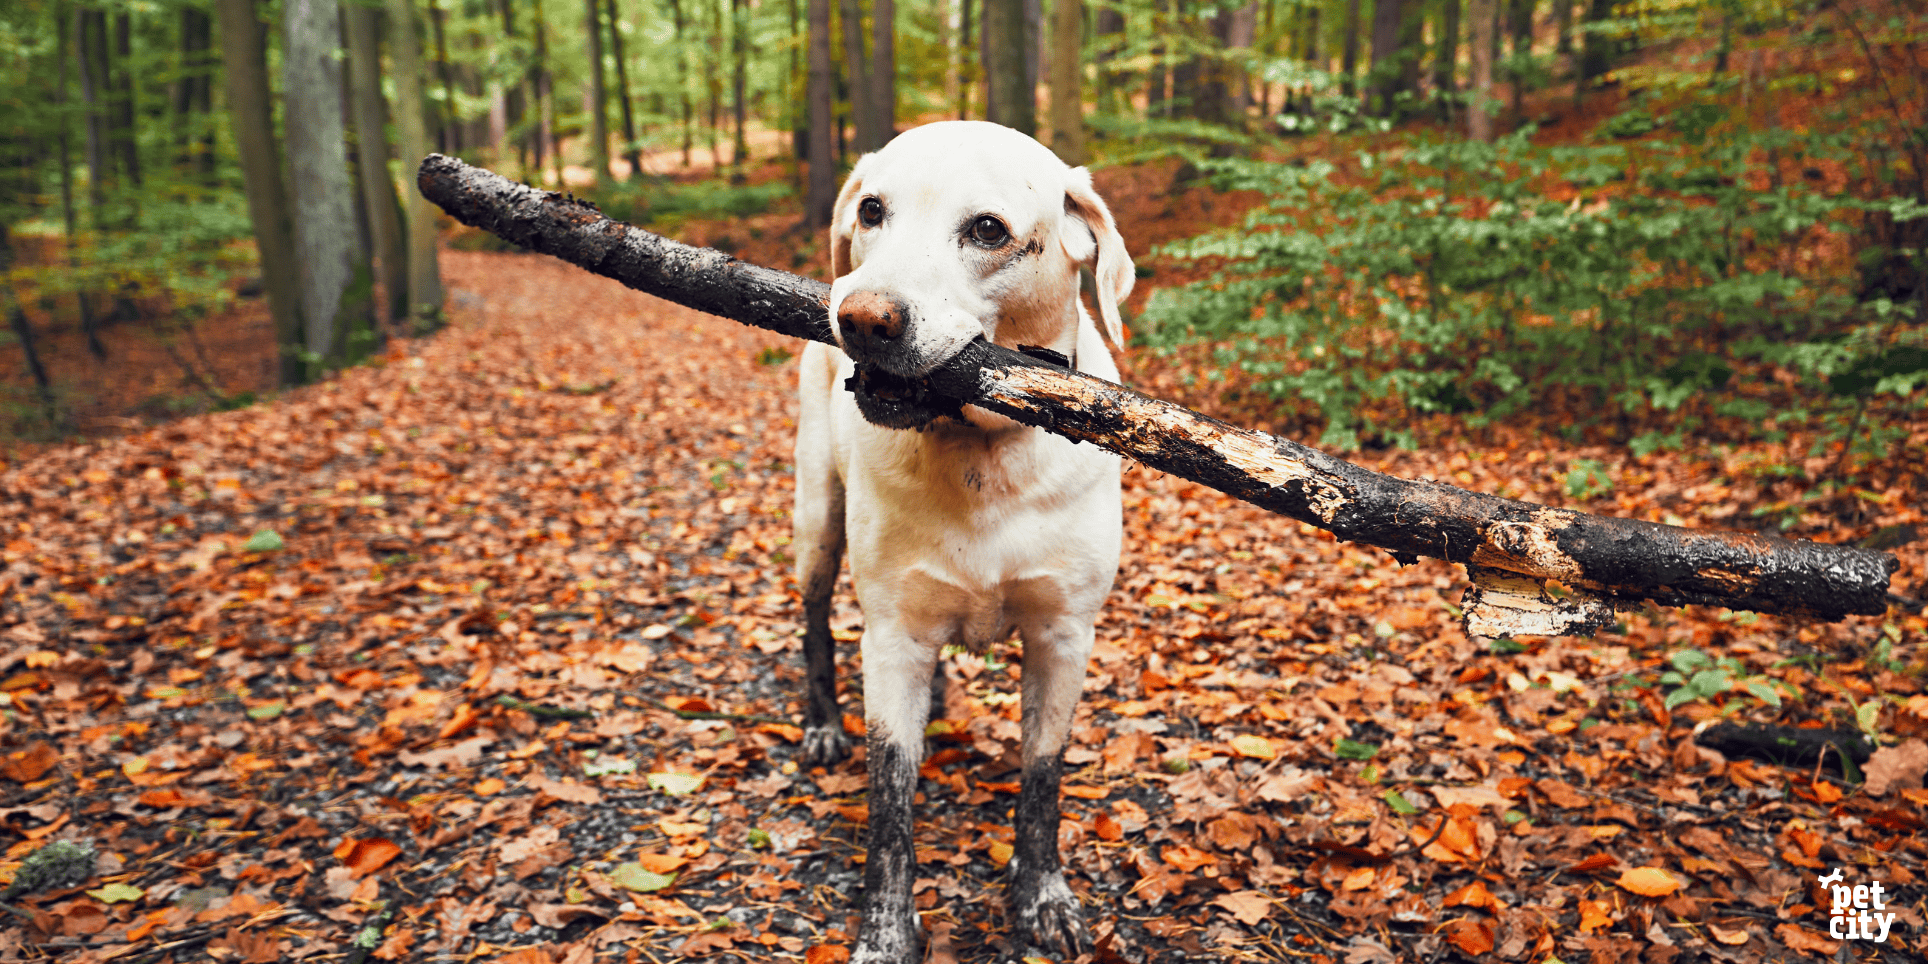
897 674
1046 911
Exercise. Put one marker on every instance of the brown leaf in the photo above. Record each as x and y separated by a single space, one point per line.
1472 937
367 855
30 764
1249 906
1896 768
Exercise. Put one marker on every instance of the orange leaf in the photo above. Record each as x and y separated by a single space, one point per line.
1826 792
1000 852
1725 936
791 734
1359 879
1475 894
661 863
30 764
367 855
1592 863
490 786
1649 882
464 718
1107 828
827 954
162 799
1087 793
1595 914
1254 746
1472 937
1186 858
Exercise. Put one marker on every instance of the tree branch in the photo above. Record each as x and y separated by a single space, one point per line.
1509 547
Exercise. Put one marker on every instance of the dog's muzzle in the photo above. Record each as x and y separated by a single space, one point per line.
890 388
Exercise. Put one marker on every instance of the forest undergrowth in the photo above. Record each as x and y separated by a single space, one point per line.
493 646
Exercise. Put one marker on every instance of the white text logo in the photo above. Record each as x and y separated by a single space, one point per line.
1855 914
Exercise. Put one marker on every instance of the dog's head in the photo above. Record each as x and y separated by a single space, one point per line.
964 229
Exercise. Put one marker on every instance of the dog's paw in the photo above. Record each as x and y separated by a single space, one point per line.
825 745
898 942
1048 916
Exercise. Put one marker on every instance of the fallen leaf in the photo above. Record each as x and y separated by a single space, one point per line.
1649 882
1248 906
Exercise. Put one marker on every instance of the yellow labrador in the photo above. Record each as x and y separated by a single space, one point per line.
963 528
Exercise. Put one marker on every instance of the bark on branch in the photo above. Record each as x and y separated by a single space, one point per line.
1509 547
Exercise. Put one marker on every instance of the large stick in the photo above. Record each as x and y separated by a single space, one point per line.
1508 546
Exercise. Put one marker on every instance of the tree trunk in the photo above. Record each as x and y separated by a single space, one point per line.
449 131
1382 77
1349 60
371 152
411 134
1446 54
1011 103
90 33
520 95
632 152
1522 47
683 80
244 63
126 141
333 312
1563 26
1108 28
1507 545
1157 78
63 36
1479 107
598 94
739 82
193 94
967 74
1595 50
17 318
713 80
857 78
883 73
822 193
796 80
1067 75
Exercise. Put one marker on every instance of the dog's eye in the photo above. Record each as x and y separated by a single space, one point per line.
871 212
989 232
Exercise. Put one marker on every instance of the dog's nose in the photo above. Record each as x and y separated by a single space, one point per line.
870 319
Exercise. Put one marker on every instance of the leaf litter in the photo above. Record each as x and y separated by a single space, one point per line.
493 647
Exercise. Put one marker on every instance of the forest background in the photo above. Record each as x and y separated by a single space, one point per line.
1662 259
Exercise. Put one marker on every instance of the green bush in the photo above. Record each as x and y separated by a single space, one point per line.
1438 276
646 201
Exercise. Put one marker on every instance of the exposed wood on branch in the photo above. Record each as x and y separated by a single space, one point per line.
1602 562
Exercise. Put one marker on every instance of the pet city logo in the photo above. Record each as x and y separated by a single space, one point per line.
1856 911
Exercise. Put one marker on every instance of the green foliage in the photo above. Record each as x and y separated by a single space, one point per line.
651 201
1697 676
1438 276
1587 479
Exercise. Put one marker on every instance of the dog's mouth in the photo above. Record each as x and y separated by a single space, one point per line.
894 401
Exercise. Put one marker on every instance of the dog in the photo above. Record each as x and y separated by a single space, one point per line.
969 525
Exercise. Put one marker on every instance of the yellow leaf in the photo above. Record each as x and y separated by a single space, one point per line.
1649 882
1254 746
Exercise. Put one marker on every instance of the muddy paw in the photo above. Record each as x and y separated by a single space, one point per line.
1049 918
824 745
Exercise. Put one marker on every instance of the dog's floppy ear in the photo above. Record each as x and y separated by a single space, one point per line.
843 219
1102 250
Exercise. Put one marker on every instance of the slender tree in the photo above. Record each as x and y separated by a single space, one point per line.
682 79
632 151
1595 49
193 93
1383 75
1446 51
739 82
598 93
1349 60
1067 72
1011 102
822 193
411 134
857 78
449 131
1479 109
363 26
334 270
125 137
90 33
882 73
244 63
